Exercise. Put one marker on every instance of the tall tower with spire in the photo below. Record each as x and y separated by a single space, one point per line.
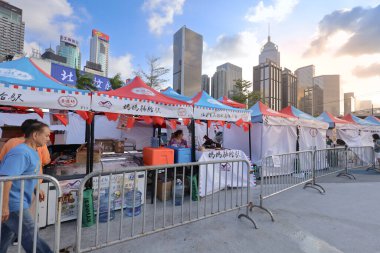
269 52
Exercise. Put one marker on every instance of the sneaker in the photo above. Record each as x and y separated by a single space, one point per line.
15 242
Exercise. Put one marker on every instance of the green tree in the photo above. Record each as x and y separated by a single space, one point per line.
243 93
153 77
253 98
116 81
85 81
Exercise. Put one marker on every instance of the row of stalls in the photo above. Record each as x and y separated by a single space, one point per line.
126 127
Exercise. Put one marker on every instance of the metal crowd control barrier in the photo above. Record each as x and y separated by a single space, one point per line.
360 157
223 186
57 225
282 172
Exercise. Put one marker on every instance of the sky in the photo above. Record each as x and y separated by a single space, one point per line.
338 37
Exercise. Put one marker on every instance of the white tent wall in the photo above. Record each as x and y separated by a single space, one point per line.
350 136
311 137
140 134
236 138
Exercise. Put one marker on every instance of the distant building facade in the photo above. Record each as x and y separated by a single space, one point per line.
206 83
69 48
349 102
187 61
99 50
289 88
224 85
331 92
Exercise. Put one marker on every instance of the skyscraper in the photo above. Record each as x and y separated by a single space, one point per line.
270 52
331 92
224 85
312 100
305 77
267 76
267 81
206 83
69 48
289 88
12 30
349 102
99 50
187 61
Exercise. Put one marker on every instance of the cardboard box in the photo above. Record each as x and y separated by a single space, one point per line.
81 156
11 131
107 145
161 193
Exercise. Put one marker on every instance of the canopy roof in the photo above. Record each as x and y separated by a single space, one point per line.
373 120
354 119
262 113
137 98
23 83
173 94
304 119
333 121
225 100
208 108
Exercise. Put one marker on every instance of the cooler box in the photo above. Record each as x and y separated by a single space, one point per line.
181 155
158 156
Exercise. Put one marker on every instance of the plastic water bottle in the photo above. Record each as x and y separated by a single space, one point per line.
128 211
103 208
178 192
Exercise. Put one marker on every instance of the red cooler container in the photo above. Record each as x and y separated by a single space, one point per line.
158 156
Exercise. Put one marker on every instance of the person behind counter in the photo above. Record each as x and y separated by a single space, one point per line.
22 160
177 140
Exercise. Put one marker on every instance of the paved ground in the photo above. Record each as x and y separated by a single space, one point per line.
345 219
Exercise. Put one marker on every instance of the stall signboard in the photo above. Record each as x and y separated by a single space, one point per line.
69 199
117 186
208 113
67 75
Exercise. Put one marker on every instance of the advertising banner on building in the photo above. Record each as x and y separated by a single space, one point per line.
67 75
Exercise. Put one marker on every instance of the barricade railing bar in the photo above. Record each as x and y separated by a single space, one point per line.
199 190
58 205
279 173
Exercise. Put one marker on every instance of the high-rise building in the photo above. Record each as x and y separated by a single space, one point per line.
224 85
365 105
12 30
349 102
217 78
93 68
270 52
331 92
289 88
312 101
187 61
206 83
267 81
305 77
69 48
99 50
52 57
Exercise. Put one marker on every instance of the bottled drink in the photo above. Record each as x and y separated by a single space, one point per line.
103 208
128 211
178 192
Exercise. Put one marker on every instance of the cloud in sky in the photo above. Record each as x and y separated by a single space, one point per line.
47 19
278 11
161 13
367 71
360 23
121 64
241 49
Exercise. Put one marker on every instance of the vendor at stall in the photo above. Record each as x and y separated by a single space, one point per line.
177 140
209 143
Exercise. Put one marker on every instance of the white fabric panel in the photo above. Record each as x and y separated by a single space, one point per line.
366 136
75 130
279 121
235 172
313 123
141 133
350 136
311 137
278 140
106 129
236 138
256 139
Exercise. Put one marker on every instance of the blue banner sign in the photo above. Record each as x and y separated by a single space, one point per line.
67 75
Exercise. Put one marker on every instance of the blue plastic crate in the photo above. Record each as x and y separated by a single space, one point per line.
181 155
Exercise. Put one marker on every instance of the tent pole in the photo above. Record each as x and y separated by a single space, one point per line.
87 140
192 126
159 135
92 141
250 144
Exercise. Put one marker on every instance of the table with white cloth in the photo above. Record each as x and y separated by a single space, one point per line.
235 172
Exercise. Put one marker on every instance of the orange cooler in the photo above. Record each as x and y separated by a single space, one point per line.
158 156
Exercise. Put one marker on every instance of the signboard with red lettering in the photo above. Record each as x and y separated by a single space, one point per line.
100 35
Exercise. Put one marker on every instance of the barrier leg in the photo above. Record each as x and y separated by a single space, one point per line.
246 215
315 186
262 208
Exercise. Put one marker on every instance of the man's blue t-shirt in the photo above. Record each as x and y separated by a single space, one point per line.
20 160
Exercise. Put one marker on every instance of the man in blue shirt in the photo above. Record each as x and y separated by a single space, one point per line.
22 160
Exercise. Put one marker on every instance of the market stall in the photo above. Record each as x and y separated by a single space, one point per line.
225 100
311 132
211 116
366 128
